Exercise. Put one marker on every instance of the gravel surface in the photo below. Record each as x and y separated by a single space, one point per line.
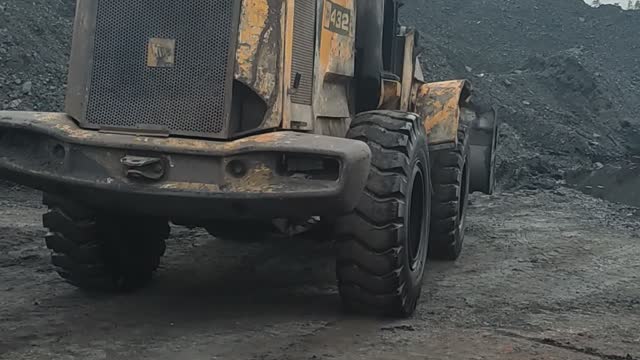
545 275
35 39
565 76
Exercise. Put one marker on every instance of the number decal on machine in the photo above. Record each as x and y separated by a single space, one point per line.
337 18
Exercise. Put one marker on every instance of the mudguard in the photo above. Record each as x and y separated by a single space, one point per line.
442 106
439 106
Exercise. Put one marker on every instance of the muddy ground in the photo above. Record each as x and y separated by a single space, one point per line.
545 275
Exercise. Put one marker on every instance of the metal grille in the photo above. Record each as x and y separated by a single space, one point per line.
192 96
304 42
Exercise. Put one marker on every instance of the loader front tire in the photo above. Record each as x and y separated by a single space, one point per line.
382 246
102 252
451 184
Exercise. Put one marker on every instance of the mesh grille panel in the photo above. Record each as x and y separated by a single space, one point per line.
304 39
189 97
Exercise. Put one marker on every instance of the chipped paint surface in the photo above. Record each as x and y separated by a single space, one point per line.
259 55
189 186
336 51
257 180
63 126
193 172
252 25
439 105
335 64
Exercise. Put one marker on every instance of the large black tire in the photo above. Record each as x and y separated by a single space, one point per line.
102 252
382 247
451 179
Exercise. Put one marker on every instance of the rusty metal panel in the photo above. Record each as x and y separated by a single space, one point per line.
260 54
163 65
439 106
184 177
335 64
302 67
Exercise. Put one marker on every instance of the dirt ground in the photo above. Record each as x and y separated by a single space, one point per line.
545 275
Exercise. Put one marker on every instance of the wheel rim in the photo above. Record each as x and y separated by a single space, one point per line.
417 213
484 143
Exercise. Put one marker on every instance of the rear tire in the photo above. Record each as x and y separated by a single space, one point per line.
101 252
451 185
382 248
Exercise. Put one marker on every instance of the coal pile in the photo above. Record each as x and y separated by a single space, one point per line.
35 39
565 76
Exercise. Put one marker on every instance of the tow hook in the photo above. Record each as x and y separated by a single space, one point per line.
143 168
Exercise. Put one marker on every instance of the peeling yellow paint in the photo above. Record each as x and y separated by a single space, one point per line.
336 50
188 186
335 61
265 80
439 106
254 17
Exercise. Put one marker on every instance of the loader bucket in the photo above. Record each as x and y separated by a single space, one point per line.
484 142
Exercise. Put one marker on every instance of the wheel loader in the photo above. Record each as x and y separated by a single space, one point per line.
253 116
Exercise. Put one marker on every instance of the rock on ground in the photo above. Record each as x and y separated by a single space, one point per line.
35 39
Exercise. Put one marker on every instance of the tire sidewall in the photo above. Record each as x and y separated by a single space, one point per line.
463 195
414 275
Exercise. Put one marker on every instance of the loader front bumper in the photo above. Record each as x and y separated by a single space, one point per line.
279 174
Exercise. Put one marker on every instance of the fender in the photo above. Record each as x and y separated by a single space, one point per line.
439 105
